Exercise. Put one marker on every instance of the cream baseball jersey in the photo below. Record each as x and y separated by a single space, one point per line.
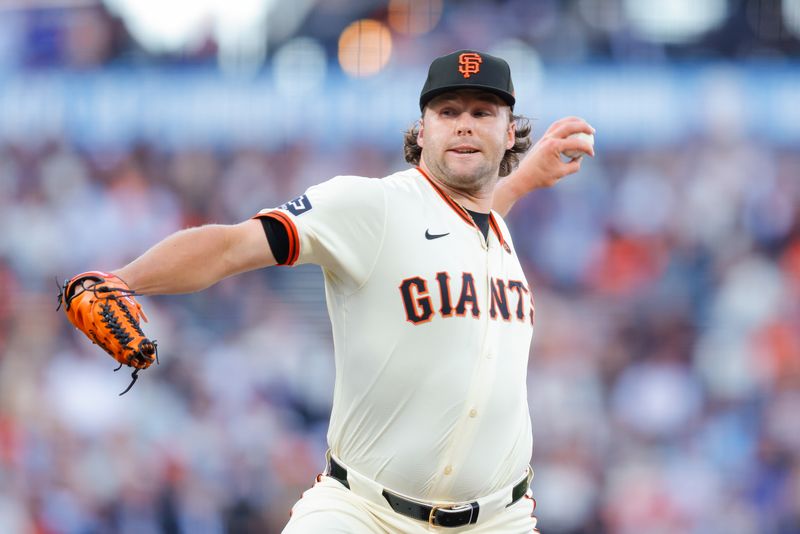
432 325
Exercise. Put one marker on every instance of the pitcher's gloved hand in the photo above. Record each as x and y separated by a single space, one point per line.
103 307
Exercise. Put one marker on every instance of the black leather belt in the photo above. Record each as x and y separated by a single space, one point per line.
464 514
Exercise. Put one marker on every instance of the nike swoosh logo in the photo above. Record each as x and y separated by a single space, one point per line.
429 235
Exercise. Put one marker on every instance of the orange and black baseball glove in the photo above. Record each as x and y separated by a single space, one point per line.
103 307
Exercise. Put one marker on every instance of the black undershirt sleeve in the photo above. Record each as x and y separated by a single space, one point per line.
277 237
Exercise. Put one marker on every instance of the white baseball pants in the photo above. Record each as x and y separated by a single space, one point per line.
329 507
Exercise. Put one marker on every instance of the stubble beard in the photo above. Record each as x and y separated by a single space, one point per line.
472 182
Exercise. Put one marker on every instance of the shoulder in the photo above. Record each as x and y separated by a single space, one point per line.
350 189
344 188
344 180
410 175
408 180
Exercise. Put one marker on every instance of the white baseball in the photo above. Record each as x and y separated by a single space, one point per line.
575 154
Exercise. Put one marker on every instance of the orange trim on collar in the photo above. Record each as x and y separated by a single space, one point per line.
461 212
496 229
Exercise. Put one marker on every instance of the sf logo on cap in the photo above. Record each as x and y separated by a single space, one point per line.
469 63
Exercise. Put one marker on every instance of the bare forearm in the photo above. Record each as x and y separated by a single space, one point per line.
196 258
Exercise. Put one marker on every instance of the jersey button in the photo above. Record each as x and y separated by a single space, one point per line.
448 469
489 355
473 412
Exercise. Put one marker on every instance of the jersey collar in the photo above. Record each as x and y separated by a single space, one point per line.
462 213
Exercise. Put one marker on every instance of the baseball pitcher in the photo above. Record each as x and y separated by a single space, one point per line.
432 314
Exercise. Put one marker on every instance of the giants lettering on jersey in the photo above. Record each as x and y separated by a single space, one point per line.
510 300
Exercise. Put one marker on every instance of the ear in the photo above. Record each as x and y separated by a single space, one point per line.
511 134
420 134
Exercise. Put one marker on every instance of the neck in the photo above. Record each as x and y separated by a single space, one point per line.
480 200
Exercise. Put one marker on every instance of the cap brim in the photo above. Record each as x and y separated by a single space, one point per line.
507 97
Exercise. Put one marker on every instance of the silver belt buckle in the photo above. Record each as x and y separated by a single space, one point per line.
435 508
432 516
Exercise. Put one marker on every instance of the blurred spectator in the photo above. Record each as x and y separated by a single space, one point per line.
664 362
664 380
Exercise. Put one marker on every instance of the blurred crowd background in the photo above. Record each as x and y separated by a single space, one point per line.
664 376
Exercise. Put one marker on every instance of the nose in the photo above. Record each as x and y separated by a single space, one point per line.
464 124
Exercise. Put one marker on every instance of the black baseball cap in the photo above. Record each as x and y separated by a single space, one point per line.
468 69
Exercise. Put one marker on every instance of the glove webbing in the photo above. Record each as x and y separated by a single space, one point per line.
108 317
113 323
145 349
